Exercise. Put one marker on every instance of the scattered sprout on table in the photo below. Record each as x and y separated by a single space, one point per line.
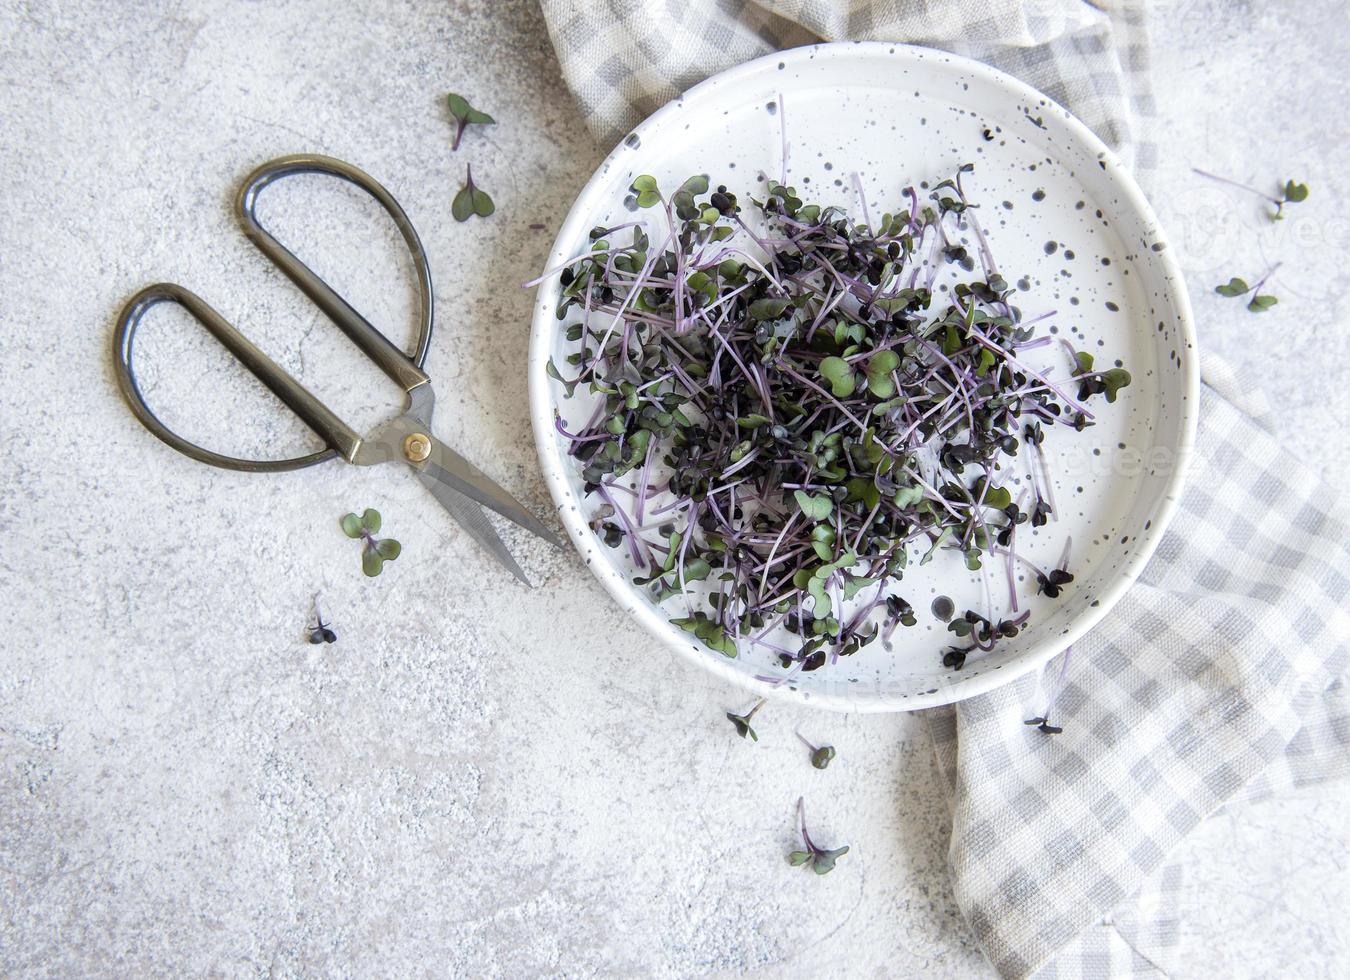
1292 192
320 632
820 859
742 722
465 115
821 755
1259 302
471 200
377 551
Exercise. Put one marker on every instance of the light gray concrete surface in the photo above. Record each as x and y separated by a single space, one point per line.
479 779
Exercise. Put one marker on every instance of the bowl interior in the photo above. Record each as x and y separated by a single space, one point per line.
1064 222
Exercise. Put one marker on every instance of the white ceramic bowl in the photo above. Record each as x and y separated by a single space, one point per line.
1058 209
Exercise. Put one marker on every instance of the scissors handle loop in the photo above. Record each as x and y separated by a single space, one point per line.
404 369
394 362
341 439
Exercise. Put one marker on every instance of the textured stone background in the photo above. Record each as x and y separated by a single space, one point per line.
478 779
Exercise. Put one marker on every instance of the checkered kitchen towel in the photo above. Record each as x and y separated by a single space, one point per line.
1218 677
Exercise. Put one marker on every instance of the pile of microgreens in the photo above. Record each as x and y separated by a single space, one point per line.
471 199
1292 192
787 410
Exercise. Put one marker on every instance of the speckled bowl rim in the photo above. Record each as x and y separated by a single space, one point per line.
570 508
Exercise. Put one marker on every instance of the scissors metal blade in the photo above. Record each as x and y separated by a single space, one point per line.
448 466
470 516
454 470
459 485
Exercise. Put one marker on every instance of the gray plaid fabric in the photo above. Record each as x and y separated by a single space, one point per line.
624 59
1219 677
1217 673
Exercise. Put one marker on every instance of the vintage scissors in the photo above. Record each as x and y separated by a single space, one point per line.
461 487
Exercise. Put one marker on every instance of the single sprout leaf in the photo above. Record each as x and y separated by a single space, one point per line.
770 308
879 368
837 372
697 184
815 506
1261 302
907 497
388 549
998 497
370 520
937 543
465 115
824 862
351 525
1234 287
1114 380
648 194
1295 192
696 570
471 200
552 371
371 562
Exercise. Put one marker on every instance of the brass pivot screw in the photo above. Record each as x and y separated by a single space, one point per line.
417 447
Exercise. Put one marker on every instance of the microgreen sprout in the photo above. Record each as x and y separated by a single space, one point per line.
465 115
1291 193
1052 582
320 632
645 192
1043 724
821 755
1042 721
1091 382
821 859
377 551
789 408
742 722
471 200
1259 302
